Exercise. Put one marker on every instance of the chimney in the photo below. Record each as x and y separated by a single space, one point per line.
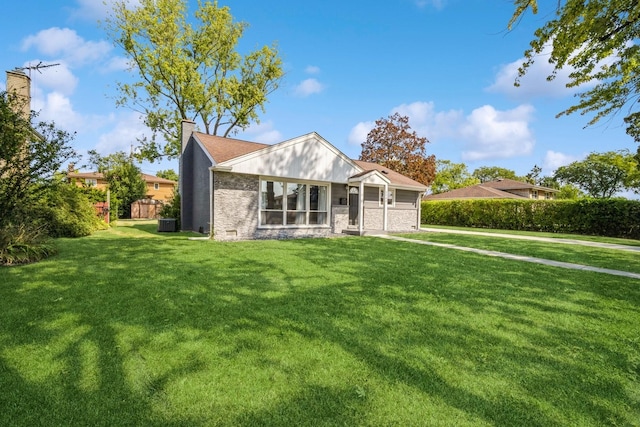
19 88
185 133
186 130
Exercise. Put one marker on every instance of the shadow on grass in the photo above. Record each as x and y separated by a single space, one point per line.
163 331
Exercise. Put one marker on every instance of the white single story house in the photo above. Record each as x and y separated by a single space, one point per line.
302 187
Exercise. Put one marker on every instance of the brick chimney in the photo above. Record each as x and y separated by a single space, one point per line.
19 87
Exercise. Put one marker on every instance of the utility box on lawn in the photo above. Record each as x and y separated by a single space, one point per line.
167 225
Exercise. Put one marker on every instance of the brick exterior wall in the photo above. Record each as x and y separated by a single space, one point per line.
235 206
236 200
339 218
235 211
373 218
402 219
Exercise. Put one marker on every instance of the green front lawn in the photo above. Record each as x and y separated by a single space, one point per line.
602 239
129 327
587 255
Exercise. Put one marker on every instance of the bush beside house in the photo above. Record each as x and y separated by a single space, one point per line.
600 217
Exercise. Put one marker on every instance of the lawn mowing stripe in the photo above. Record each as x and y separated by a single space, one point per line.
537 238
518 257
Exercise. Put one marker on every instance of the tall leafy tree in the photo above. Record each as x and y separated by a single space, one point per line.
534 177
189 71
602 174
393 144
168 174
29 157
124 179
598 41
450 176
491 173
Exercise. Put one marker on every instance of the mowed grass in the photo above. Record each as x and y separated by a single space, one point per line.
129 327
586 255
602 239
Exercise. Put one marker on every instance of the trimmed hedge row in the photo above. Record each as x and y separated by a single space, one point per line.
599 217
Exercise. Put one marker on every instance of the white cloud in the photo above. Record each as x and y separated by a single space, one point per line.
427 122
312 69
58 108
308 87
423 119
486 133
553 160
494 134
262 132
359 132
128 128
117 63
534 83
58 78
90 9
66 43
93 10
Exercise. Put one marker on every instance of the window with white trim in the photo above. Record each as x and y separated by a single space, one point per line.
156 186
91 182
289 203
534 194
391 197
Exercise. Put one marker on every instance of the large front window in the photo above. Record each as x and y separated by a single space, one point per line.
292 203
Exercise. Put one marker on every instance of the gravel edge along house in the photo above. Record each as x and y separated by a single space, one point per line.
303 187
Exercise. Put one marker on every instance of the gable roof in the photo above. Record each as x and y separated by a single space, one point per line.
86 175
474 192
498 189
152 178
99 175
395 178
279 159
512 184
223 149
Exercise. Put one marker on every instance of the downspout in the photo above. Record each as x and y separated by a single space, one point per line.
419 210
385 208
361 208
211 205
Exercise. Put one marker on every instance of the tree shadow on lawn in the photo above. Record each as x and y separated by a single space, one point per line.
200 333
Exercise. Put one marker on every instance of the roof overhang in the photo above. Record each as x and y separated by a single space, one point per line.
372 177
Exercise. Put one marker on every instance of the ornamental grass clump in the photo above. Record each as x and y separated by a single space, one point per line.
22 244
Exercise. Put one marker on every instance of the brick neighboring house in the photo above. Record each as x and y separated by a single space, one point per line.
498 189
302 187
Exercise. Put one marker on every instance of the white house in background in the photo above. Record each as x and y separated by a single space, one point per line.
303 187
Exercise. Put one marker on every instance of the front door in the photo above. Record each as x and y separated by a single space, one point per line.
354 207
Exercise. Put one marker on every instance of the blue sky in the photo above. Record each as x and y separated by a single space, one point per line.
449 65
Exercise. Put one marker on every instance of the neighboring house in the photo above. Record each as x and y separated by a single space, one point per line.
157 188
498 189
303 187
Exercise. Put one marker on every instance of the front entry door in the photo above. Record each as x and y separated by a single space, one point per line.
354 207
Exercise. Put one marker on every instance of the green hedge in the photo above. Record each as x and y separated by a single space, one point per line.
599 217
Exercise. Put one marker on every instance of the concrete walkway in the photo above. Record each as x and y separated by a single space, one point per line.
516 257
539 239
